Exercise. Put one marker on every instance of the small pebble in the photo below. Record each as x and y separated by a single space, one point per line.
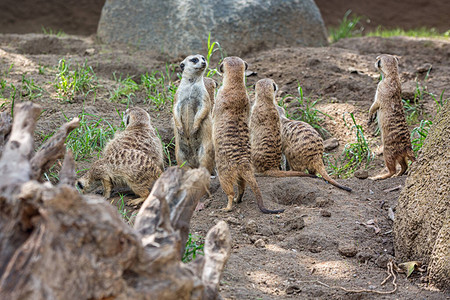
260 243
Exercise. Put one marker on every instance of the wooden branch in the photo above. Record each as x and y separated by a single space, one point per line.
68 174
181 190
14 164
52 150
217 251
5 128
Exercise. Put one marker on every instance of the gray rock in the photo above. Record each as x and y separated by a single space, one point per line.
383 260
251 227
409 90
330 144
325 213
361 174
260 243
178 28
348 249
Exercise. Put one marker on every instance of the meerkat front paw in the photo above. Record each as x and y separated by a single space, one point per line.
135 202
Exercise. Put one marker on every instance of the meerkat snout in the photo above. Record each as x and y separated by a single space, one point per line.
80 185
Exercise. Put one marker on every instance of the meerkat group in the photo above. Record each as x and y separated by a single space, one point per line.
225 135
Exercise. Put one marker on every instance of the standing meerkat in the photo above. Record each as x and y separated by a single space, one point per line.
303 147
231 134
395 135
134 157
192 116
265 132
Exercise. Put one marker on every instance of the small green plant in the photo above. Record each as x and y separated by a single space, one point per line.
159 88
50 31
212 48
307 112
69 82
30 89
167 148
124 212
349 27
90 137
125 89
419 134
194 247
355 154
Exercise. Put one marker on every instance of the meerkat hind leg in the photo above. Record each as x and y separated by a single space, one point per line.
227 187
142 192
390 164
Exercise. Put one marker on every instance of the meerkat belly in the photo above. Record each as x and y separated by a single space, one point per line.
189 106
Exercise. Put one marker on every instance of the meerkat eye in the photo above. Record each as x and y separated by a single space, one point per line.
194 60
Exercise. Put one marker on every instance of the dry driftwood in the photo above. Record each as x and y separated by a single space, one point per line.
56 244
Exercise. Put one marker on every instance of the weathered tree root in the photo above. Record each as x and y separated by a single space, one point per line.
56 244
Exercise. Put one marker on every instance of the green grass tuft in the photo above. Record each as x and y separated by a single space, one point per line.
418 32
159 88
354 156
124 91
194 247
349 27
69 83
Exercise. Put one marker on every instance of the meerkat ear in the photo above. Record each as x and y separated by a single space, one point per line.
379 63
182 67
275 87
127 121
246 65
397 58
216 84
221 68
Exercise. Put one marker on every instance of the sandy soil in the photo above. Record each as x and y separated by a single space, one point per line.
327 235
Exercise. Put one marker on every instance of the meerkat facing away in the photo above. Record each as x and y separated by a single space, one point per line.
303 148
265 133
395 135
192 116
211 86
231 134
134 157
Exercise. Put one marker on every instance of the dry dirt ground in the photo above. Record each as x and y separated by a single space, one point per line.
326 234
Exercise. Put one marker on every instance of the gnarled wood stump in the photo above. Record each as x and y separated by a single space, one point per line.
57 244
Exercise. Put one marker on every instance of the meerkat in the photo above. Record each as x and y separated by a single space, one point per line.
134 157
231 135
211 86
303 148
192 116
395 135
265 133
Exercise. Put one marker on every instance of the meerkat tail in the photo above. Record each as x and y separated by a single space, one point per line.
321 170
251 181
280 173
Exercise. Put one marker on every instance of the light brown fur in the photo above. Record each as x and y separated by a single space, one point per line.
265 133
231 134
211 86
395 135
303 147
192 117
134 157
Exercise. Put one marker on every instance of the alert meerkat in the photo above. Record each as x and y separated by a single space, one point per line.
134 157
395 135
192 116
231 135
303 148
265 133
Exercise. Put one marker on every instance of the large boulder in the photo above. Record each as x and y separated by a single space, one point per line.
181 27
422 221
